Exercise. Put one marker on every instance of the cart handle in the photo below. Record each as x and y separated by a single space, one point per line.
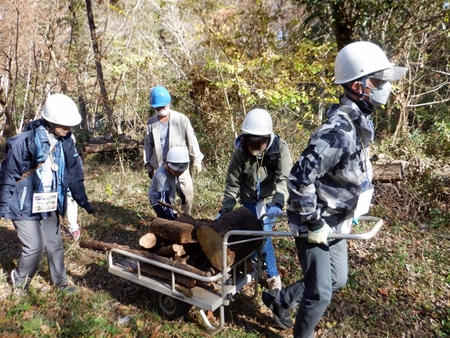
367 235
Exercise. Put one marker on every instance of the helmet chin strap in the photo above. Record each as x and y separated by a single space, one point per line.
363 105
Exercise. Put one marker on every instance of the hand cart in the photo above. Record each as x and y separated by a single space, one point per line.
174 304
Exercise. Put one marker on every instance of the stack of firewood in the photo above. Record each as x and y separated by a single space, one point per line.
191 245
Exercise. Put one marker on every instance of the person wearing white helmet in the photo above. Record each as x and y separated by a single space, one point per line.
330 186
34 180
256 177
165 184
167 129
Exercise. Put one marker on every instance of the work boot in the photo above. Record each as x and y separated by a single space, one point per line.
274 283
20 287
281 316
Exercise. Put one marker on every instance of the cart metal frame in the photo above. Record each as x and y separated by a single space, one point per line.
227 282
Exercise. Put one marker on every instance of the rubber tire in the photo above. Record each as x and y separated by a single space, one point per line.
172 308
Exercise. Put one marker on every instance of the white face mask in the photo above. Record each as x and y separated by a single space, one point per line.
380 95
164 112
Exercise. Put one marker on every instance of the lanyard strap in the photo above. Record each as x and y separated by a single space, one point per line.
258 178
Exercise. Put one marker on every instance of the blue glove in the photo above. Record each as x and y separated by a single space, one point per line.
218 216
274 211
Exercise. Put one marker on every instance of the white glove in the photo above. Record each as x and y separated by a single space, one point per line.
218 216
196 168
319 236
294 229
274 211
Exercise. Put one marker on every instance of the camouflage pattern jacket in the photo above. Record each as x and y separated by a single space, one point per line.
333 170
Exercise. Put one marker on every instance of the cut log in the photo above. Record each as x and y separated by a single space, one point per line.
210 237
173 231
103 246
167 275
175 250
110 146
388 172
148 241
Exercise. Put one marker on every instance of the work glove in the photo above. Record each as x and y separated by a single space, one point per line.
75 234
196 168
319 236
294 229
150 170
218 216
89 208
274 211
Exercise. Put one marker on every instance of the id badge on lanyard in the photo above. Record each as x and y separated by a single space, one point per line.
363 205
44 202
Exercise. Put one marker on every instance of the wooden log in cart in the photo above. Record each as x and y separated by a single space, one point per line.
161 273
174 250
210 237
173 231
148 241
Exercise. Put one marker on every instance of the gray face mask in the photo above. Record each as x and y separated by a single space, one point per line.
379 95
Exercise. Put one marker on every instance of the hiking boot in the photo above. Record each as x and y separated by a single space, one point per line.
66 286
22 287
274 283
280 313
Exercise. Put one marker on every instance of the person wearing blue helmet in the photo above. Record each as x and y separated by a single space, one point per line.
165 130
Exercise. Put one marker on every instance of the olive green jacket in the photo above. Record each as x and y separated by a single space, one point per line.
241 182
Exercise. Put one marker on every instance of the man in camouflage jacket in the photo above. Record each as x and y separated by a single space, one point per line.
326 182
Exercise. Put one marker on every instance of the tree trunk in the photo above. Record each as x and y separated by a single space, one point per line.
210 237
98 66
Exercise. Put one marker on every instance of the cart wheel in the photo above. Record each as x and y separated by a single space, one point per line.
172 308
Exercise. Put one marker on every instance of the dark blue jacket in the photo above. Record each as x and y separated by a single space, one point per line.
24 152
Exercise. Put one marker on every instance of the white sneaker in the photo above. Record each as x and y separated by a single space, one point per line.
274 283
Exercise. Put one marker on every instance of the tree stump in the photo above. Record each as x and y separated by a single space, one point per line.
210 237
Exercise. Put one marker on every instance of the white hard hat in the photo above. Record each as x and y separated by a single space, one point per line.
60 109
257 122
178 158
362 58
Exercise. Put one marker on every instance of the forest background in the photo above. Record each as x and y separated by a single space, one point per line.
219 59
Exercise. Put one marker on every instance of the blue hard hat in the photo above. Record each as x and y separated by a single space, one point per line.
159 97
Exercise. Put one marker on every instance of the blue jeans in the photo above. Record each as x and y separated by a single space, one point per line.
325 269
270 263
